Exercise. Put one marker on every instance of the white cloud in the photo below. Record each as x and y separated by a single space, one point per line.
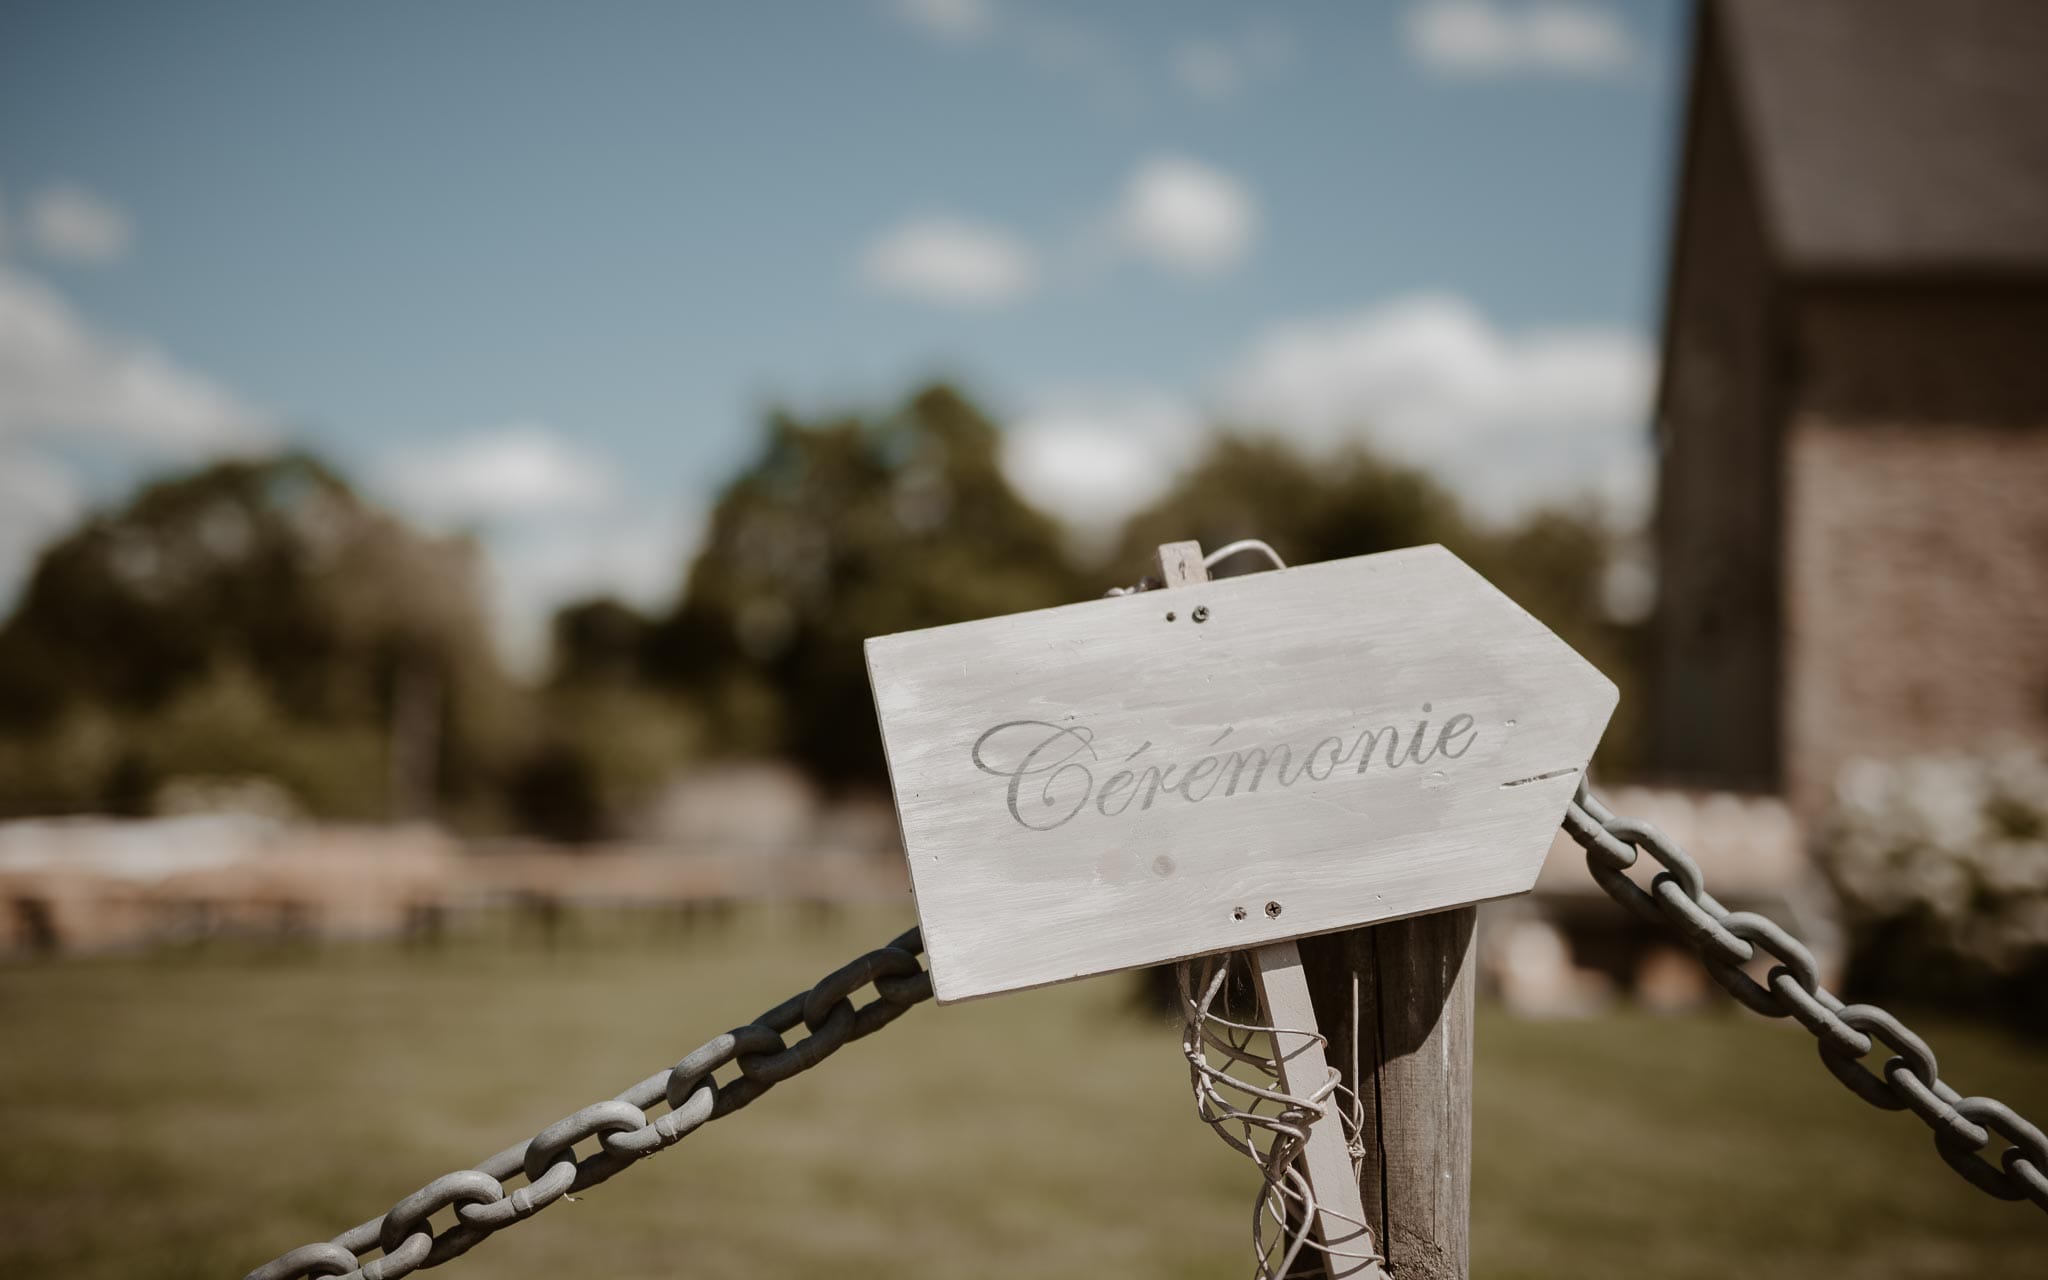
948 261
1178 213
1186 216
59 376
555 519
1093 458
61 381
70 223
962 21
515 472
1510 419
1494 37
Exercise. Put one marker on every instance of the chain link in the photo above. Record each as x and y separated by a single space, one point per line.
1910 1080
404 1238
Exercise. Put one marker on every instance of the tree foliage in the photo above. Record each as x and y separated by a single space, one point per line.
261 619
238 618
840 530
1309 507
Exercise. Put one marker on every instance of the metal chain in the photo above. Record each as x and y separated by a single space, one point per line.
1727 940
622 1128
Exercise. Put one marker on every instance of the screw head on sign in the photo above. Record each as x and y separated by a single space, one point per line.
1273 911
1201 613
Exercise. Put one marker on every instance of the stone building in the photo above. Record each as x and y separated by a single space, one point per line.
1852 514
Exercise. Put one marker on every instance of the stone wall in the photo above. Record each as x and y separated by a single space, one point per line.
1918 600
1917 534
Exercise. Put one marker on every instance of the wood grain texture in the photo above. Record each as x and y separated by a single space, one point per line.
1201 804
1140 779
1396 1002
1298 1050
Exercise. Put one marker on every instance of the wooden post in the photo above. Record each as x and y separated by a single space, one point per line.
1285 996
1407 989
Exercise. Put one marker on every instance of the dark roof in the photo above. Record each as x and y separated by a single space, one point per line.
1903 135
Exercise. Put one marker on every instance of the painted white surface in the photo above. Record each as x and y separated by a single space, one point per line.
1043 851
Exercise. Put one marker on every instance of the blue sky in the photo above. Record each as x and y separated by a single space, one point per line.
538 270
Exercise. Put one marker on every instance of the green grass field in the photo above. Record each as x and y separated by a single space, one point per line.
191 1114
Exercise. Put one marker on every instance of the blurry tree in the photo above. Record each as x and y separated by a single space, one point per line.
1308 507
554 793
1557 564
841 530
597 642
611 740
257 617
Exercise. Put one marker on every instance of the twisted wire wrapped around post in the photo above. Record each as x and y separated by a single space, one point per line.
1239 1108
1726 941
404 1236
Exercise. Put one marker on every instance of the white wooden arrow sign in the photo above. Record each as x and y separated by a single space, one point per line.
1145 778
1227 766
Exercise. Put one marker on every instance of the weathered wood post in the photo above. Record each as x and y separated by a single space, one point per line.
1395 1001
1406 987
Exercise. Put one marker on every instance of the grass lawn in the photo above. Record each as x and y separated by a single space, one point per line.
191 1114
